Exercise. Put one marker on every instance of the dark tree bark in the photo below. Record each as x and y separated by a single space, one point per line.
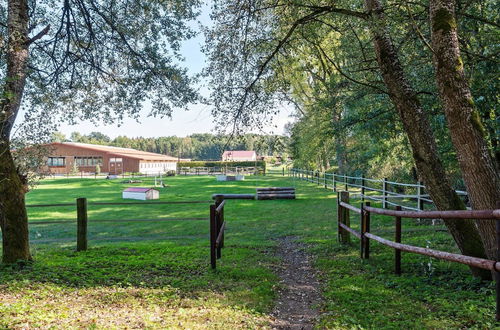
421 137
13 217
478 167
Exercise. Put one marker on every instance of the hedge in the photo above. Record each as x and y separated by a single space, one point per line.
259 163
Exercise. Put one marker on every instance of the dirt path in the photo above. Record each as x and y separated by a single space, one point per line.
295 308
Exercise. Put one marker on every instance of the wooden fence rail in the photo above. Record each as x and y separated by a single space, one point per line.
217 227
344 231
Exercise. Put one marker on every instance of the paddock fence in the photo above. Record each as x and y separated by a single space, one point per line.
344 232
217 223
408 196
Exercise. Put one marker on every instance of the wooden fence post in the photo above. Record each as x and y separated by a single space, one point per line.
334 183
81 224
324 180
317 177
344 217
218 222
397 239
213 237
339 218
384 192
345 182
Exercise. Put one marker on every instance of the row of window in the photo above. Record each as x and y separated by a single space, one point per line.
153 165
80 161
88 161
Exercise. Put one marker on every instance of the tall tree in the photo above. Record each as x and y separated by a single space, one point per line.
479 169
85 59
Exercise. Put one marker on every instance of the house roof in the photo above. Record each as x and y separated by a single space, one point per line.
121 152
138 189
238 154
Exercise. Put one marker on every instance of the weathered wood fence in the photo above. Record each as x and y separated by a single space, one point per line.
388 191
344 231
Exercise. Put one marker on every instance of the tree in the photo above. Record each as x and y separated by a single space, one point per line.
265 34
479 169
87 59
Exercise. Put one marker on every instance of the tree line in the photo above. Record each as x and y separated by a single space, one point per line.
195 146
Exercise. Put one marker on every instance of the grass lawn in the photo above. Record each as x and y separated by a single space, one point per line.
156 274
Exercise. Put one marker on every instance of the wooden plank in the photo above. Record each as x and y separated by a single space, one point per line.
148 203
221 235
275 196
276 188
233 196
350 207
81 229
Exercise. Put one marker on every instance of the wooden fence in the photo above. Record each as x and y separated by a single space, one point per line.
389 191
364 235
217 223
247 170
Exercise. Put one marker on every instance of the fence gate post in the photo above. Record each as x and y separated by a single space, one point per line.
397 239
344 216
384 191
213 237
81 224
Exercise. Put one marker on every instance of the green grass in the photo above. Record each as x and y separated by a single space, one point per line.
156 274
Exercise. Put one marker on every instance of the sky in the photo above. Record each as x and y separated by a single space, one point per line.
197 119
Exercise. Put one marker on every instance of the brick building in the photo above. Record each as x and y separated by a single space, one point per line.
111 160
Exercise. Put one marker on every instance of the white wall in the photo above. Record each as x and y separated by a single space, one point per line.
157 167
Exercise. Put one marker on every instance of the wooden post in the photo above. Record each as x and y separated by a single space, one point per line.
213 237
397 239
345 182
365 228
346 236
384 192
317 177
283 171
362 188
324 180
218 222
81 224
334 183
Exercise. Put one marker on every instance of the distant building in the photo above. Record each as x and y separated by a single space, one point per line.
140 193
112 160
239 156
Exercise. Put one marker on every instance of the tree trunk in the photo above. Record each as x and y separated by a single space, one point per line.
13 218
467 133
421 137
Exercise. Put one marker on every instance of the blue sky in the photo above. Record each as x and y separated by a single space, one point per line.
197 120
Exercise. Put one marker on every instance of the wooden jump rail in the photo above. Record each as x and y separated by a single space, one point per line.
217 228
82 216
344 229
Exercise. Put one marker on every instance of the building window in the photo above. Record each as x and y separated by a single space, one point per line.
115 160
56 161
88 161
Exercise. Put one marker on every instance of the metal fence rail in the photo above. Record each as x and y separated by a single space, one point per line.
416 199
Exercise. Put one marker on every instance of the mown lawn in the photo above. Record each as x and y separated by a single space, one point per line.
156 274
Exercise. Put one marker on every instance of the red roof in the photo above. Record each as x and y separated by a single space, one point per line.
139 190
238 153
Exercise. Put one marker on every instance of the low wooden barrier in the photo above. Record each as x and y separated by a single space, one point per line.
82 216
217 227
275 193
344 231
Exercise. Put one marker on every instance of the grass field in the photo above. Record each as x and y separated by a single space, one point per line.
156 274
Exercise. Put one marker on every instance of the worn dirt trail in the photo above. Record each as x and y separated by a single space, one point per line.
297 301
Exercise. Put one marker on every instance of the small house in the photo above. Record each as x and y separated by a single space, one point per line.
140 193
